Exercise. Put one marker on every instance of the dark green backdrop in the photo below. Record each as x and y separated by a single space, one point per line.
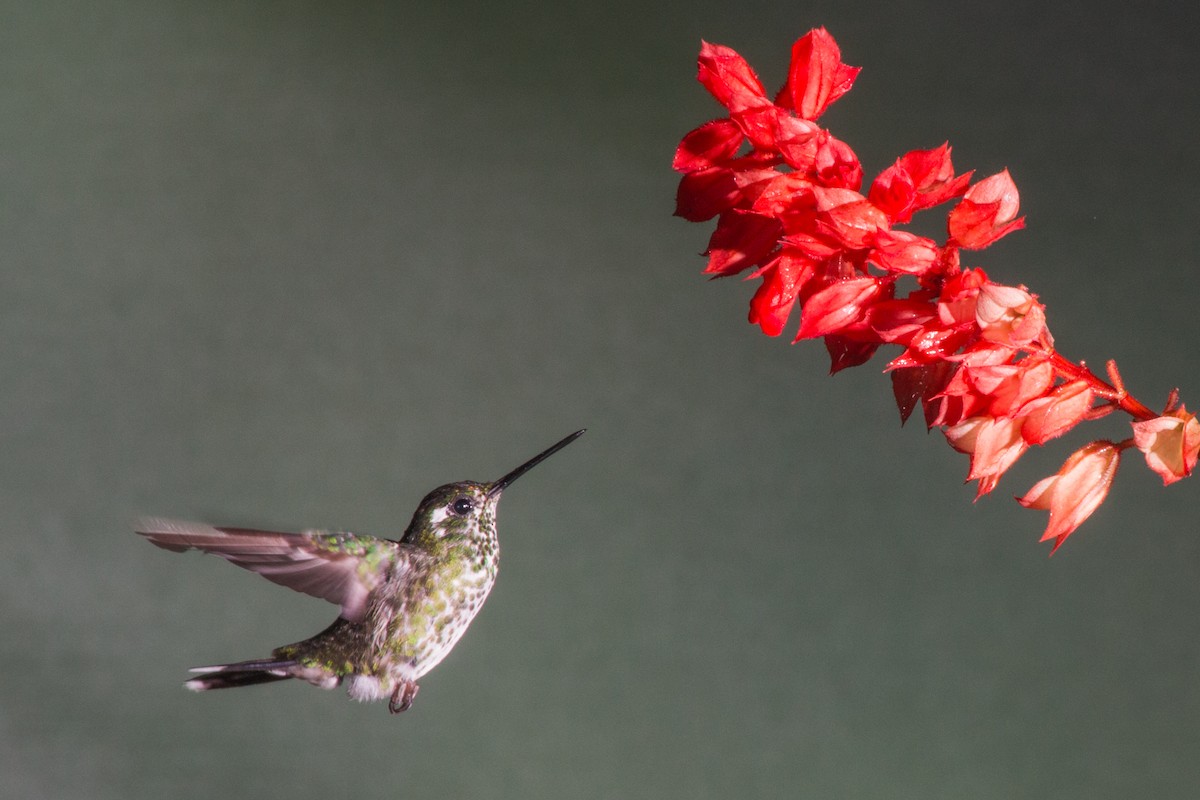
295 264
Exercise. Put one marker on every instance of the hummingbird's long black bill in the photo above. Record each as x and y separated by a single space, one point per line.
500 485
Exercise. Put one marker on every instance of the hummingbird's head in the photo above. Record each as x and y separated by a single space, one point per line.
464 513
457 513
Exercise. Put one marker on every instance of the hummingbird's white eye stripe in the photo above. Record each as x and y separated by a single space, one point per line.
438 515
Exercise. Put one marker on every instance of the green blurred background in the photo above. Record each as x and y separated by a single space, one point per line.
293 265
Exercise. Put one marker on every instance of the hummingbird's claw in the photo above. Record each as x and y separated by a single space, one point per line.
402 698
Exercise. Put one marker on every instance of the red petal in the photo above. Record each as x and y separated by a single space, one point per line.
837 306
783 194
730 79
998 445
918 180
919 383
901 251
898 321
741 240
705 193
752 180
712 143
959 297
761 125
1056 413
1171 443
773 302
808 243
835 164
933 175
853 224
1076 490
817 76
987 212
1006 388
797 140
895 193
845 352
1009 315
931 344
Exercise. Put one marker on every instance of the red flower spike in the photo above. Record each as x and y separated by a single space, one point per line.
1170 442
976 354
1076 490
730 79
987 212
741 240
817 76
712 144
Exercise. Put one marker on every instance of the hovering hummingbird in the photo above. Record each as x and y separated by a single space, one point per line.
404 604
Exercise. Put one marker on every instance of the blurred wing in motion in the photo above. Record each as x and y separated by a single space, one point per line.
342 568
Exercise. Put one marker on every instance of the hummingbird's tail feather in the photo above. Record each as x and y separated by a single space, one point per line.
243 673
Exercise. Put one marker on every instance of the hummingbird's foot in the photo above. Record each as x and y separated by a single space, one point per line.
402 698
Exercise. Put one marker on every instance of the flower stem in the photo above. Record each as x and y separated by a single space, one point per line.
1102 388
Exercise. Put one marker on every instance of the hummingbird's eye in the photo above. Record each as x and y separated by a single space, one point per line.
463 506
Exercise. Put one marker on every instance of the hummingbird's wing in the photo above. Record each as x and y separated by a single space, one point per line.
342 568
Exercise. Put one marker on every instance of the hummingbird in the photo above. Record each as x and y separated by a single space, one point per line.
404 602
